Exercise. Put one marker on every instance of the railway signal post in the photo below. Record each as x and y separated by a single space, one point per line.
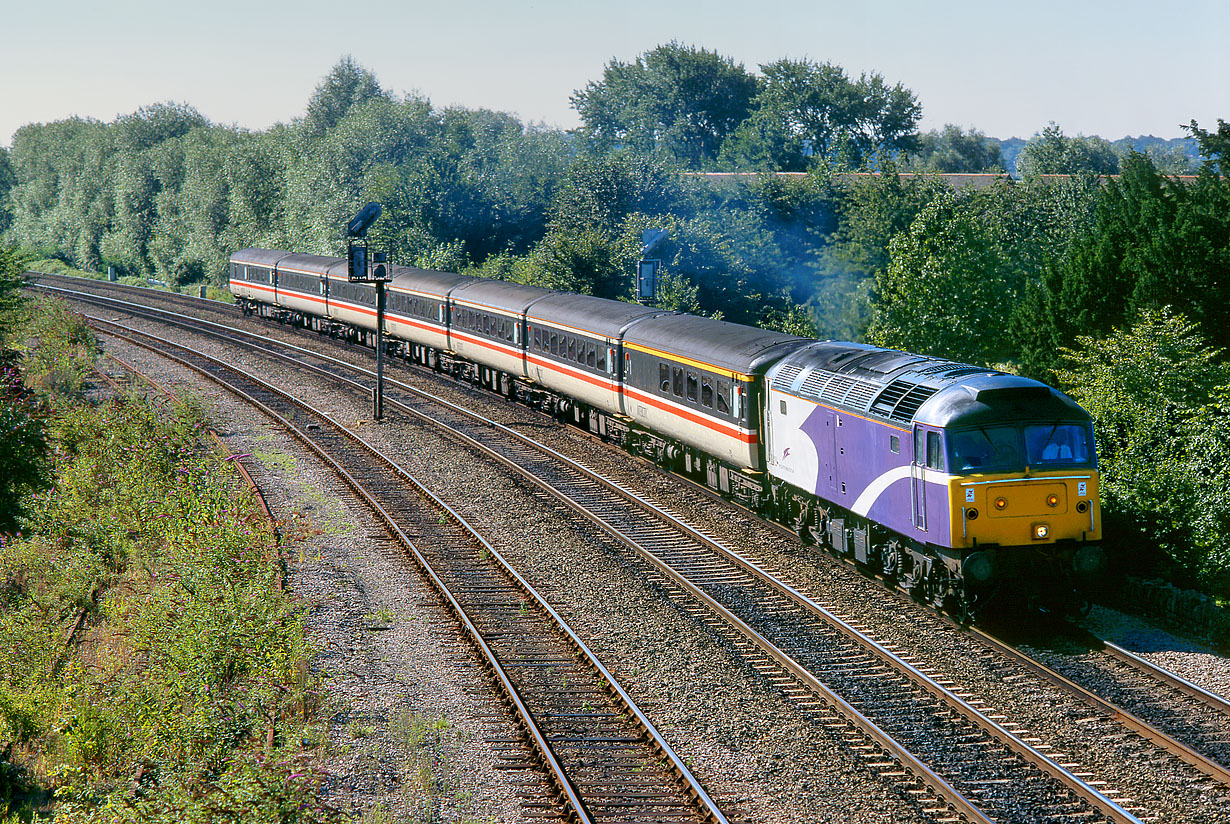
366 266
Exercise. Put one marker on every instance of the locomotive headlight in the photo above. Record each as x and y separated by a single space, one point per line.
1040 531
1052 500
1000 503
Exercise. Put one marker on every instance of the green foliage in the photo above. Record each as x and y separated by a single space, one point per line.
808 113
959 276
1159 397
1214 146
1152 241
1051 153
953 150
345 86
188 673
675 99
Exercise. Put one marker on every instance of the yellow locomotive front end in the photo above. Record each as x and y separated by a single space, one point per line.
1024 502
1025 510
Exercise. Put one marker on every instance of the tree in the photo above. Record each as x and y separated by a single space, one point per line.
953 150
1214 146
955 282
807 113
7 181
677 99
1051 153
1153 241
345 86
1158 396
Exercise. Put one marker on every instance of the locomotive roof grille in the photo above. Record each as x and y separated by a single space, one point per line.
786 376
909 404
888 399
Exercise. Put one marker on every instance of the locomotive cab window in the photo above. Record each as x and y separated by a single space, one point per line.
1056 444
985 449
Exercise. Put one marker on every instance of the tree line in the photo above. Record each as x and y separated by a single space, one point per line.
1061 278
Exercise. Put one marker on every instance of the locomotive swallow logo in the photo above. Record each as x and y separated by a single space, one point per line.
786 454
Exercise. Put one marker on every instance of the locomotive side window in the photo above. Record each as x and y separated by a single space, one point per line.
677 381
692 387
723 397
894 444
935 455
664 377
706 391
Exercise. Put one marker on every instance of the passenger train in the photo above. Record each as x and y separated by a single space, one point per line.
960 483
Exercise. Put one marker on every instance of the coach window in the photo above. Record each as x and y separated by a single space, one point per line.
664 377
508 330
692 387
538 339
706 391
554 343
572 348
591 357
677 381
723 397
601 355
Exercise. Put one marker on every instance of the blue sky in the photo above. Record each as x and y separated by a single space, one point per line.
1118 68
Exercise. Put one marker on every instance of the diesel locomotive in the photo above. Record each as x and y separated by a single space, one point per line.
959 483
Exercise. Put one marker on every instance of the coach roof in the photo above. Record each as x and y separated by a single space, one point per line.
598 316
743 349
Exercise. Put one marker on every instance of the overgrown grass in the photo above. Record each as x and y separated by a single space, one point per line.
151 666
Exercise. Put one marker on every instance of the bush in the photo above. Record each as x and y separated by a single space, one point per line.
187 676
1160 399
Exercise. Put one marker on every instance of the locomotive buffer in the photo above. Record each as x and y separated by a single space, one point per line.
366 266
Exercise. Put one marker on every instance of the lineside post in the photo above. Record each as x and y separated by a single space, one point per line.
378 412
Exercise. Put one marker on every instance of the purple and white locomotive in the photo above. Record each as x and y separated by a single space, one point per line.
957 481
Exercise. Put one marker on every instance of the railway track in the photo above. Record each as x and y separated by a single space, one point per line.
602 753
726 586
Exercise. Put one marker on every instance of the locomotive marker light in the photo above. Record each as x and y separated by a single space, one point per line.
646 284
366 266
